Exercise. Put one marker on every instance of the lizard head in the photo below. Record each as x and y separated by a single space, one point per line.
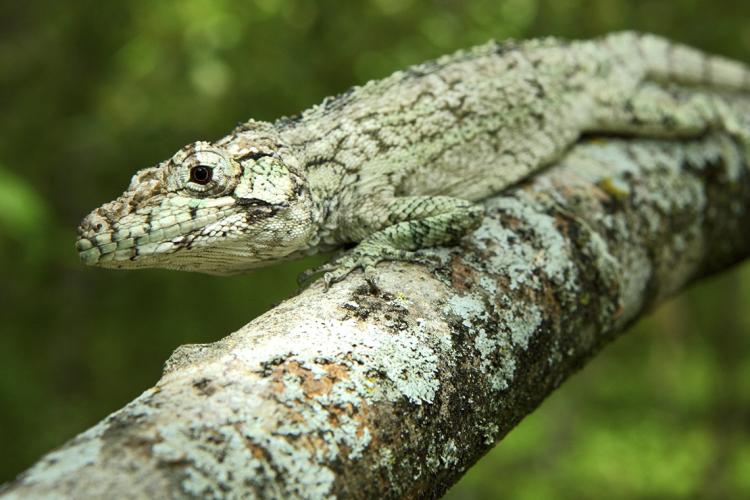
215 208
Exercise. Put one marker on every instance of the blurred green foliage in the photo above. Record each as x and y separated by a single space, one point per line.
90 91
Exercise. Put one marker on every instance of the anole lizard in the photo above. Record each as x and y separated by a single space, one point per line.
396 164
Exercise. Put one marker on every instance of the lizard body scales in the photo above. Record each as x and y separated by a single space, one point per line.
397 164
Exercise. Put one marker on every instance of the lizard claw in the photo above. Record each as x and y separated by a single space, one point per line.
341 272
430 260
339 267
372 280
342 267
366 259
307 274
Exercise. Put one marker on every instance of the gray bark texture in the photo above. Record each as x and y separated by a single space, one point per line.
395 392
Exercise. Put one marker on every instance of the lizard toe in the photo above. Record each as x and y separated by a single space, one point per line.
372 279
308 274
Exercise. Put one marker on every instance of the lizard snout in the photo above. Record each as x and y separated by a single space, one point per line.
92 233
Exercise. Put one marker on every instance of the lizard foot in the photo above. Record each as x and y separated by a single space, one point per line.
365 257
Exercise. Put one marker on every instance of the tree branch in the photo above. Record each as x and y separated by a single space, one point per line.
357 393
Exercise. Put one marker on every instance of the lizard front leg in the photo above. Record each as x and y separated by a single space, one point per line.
396 228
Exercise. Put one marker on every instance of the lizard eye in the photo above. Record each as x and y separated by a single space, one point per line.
202 170
201 174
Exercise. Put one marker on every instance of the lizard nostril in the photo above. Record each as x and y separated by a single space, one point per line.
91 224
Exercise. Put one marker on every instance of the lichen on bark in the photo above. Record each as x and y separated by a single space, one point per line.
395 392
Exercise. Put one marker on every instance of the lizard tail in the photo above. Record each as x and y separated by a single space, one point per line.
676 63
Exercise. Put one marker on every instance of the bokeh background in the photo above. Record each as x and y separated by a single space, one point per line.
90 91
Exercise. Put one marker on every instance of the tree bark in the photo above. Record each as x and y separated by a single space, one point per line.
395 392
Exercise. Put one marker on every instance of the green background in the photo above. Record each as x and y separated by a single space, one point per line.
90 91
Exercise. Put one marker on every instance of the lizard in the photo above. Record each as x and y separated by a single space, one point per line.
398 165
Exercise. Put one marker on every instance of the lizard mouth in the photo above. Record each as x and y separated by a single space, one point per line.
100 243
104 248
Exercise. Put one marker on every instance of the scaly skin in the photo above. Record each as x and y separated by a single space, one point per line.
395 165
